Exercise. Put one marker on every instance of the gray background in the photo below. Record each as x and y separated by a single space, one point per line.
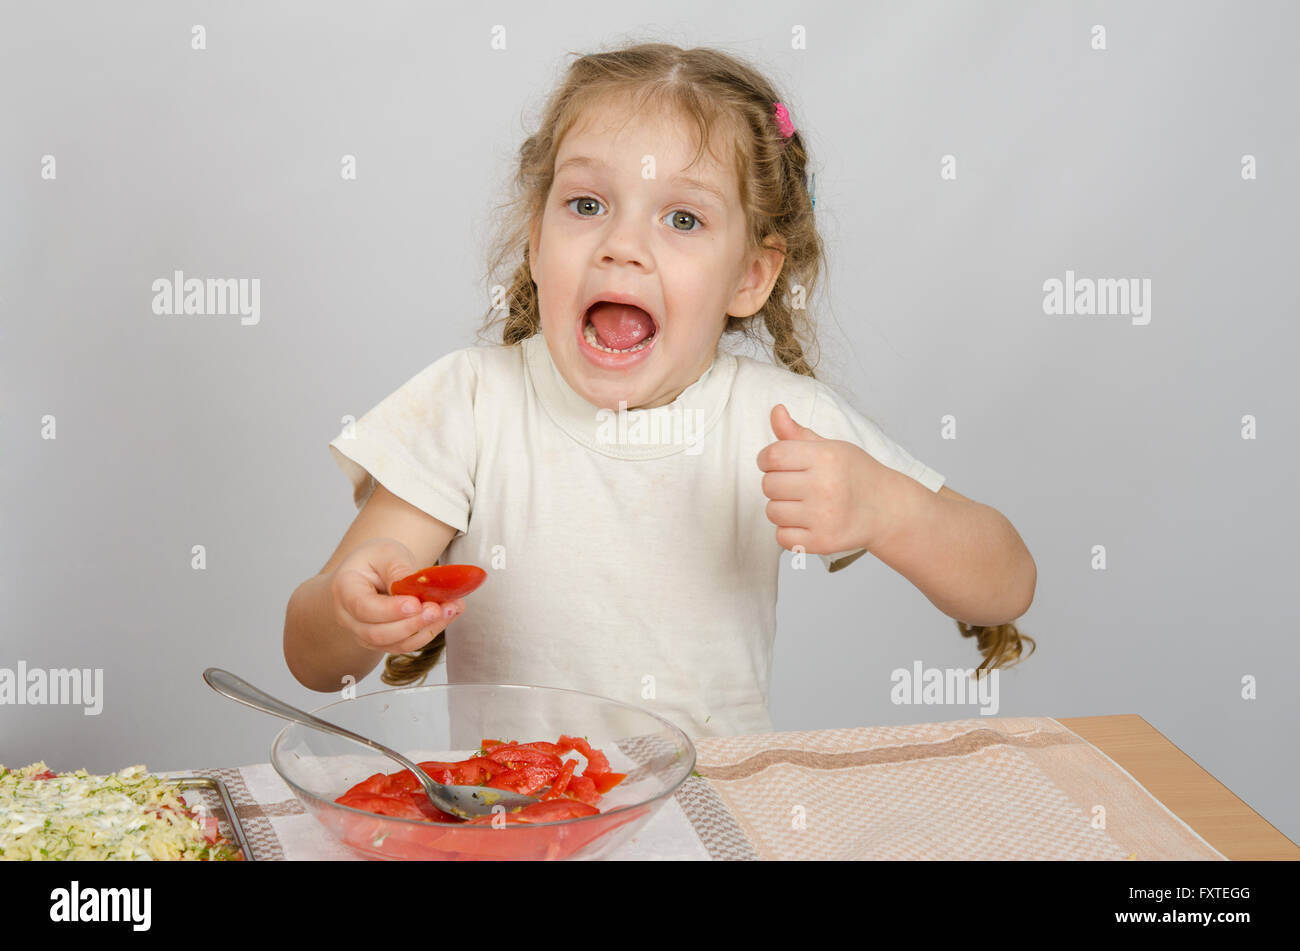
176 431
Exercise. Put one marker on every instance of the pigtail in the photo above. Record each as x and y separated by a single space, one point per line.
403 669
1000 643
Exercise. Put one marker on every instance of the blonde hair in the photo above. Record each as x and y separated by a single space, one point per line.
725 99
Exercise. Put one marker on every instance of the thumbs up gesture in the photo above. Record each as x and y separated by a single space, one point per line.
826 495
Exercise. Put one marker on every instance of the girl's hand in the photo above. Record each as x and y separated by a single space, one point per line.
826 495
378 620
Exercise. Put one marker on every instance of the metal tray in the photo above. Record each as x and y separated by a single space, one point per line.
227 806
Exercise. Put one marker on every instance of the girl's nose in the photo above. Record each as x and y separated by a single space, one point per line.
625 243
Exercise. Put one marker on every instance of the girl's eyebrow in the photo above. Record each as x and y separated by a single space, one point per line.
583 161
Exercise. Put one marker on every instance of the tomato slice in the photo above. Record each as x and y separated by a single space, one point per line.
470 772
561 782
491 746
440 582
607 781
517 756
444 773
597 762
526 780
583 788
375 785
405 807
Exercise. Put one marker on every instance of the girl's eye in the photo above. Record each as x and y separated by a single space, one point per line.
586 201
679 214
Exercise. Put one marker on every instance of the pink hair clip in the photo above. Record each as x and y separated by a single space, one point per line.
782 115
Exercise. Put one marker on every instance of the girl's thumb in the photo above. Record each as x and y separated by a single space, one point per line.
398 570
784 426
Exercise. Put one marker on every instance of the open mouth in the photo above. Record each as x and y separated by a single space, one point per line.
618 328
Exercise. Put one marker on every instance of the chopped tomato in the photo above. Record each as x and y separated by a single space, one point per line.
607 781
561 782
531 769
403 808
383 805
596 761
516 756
479 770
584 789
474 771
374 785
552 748
528 780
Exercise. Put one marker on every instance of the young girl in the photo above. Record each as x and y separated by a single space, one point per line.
630 485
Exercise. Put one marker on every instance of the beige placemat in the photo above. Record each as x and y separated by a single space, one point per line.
984 788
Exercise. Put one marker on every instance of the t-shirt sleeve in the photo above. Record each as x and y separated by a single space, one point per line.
834 418
420 442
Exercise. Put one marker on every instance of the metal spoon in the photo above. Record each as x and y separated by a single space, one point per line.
467 802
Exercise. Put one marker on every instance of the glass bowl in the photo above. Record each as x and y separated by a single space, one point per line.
447 722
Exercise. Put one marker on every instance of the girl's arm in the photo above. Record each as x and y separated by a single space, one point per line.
829 495
319 650
966 557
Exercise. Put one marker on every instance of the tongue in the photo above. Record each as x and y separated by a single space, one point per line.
620 326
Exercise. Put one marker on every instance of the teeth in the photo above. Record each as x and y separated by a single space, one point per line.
589 332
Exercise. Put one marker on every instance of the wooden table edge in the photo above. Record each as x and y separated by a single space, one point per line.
1184 787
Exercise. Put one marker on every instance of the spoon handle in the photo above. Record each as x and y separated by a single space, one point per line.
240 690
468 802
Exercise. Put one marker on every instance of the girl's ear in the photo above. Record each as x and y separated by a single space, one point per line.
764 269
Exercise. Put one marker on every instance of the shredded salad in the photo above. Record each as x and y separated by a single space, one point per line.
127 815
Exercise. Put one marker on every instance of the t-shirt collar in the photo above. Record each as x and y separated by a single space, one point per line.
679 426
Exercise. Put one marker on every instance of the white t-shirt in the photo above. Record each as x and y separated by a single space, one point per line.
627 557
